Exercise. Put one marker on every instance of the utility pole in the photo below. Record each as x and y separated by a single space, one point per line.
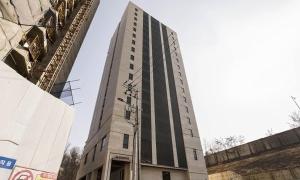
131 91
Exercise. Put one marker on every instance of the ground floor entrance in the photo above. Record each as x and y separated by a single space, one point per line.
119 170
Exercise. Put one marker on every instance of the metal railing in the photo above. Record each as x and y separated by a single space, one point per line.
52 70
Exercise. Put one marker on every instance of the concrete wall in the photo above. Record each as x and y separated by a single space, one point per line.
254 148
275 157
34 125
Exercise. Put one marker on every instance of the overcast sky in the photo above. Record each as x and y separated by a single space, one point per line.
242 60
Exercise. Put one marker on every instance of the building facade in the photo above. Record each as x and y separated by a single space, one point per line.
39 42
40 39
144 125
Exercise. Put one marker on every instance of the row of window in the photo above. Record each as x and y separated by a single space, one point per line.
183 96
131 65
104 143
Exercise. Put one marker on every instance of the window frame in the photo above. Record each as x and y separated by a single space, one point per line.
131 66
195 154
125 141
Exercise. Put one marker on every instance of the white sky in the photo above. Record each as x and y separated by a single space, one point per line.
241 58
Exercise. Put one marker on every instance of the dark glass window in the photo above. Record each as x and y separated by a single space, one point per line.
195 154
189 120
184 98
186 109
179 74
132 49
146 138
135 9
164 145
130 77
99 174
134 35
85 158
127 114
166 175
191 133
128 101
125 141
133 42
174 102
103 142
132 57
134 23
135 18
134 29
131 66
94 152
135 14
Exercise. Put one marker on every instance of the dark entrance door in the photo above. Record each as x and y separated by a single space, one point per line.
117 170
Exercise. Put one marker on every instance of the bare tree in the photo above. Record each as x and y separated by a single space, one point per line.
220 144
295 120
269 132
70 164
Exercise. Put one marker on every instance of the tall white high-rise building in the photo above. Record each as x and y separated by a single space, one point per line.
144 125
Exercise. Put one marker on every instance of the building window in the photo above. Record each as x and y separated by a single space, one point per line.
181 81
186 109
189 120
125 141
99 173
191 132
132 49
132 57
128 101
195 154
182 89
103 142
177 59
134 23
131 66
179 74
134 35
130 77
178 66
184 98
133 42
127 114
135 14
134 29
166 175
135 18
135 9
94 152
86 158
